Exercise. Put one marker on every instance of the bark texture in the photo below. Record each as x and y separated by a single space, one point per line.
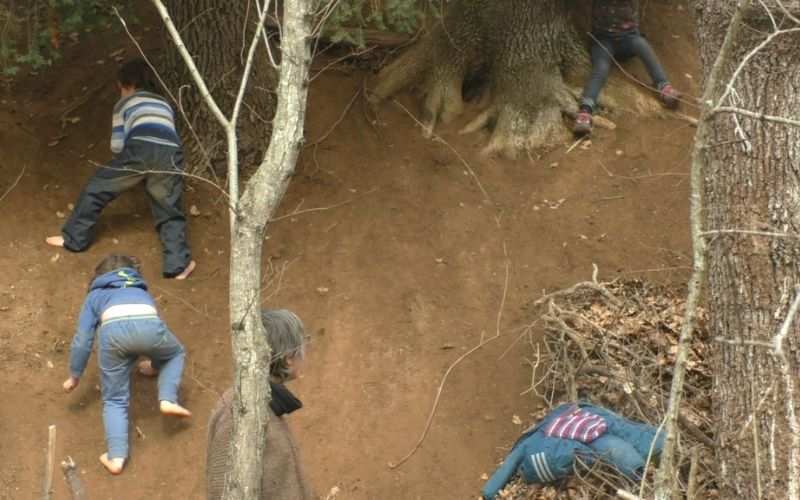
259 199
217 35
519 49
752 170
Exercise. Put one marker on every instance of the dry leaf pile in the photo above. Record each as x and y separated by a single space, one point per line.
615 345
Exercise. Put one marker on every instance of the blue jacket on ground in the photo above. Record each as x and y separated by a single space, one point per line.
120 286
540 458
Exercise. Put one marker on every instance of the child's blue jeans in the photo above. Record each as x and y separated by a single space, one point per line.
121 342
621 45
160 167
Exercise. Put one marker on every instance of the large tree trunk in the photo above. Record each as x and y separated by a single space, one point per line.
520 49
217 34
752 184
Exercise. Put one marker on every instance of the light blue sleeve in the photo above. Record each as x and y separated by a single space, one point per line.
84 338
504 473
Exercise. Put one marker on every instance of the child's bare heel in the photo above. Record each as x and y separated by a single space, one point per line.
114 465
186 272
146 368
173 409
56 241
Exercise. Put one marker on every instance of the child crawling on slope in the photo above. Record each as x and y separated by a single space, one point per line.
124 316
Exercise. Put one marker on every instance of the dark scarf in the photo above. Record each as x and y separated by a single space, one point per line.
283 401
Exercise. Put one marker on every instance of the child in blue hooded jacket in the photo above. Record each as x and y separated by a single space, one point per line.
124 315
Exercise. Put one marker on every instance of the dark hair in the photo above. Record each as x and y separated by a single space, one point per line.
113 262
136 73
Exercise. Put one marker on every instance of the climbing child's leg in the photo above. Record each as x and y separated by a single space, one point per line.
167 357
165 191
100 190
115 372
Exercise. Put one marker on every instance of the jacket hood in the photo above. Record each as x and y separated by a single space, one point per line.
125 277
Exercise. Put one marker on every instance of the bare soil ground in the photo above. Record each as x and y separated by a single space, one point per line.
399 253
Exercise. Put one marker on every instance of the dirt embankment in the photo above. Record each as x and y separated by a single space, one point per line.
411 256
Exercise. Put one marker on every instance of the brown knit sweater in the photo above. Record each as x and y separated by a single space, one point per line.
284 476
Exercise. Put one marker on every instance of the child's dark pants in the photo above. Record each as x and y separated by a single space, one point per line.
160 168
622 45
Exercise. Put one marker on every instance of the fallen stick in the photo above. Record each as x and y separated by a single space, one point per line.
76 490
49 457
624 495
13 185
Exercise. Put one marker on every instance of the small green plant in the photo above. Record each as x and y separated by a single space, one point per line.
402 16
32 34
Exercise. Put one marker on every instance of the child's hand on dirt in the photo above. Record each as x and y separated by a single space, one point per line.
70 384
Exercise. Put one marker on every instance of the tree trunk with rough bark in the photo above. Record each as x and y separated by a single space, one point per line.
752 171
521 50
217 34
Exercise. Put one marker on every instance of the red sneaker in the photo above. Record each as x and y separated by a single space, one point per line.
670 96
583 123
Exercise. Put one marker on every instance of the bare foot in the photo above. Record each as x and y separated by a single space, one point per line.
114 465
173 409
146 368
186 272
56 241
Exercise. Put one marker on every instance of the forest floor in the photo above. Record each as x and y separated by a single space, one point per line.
399 253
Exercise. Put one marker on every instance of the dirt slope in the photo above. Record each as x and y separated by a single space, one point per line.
399 254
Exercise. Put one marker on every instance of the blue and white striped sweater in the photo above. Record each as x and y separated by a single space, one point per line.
143 116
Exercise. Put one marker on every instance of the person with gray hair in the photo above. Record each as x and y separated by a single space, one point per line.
284 475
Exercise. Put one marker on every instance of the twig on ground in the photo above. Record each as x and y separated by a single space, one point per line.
190 306
62 119
436 400
336 123
74 485
49 455
437 138
13 185
480 344
324 136
502 303
574 144
201 384
584 285
318 209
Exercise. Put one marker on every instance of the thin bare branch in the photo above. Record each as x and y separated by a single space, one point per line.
714 232
757 116
777 341
748 57
481 344
319 209
14 184
439 139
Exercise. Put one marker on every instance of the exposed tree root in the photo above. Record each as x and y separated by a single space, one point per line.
524 58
